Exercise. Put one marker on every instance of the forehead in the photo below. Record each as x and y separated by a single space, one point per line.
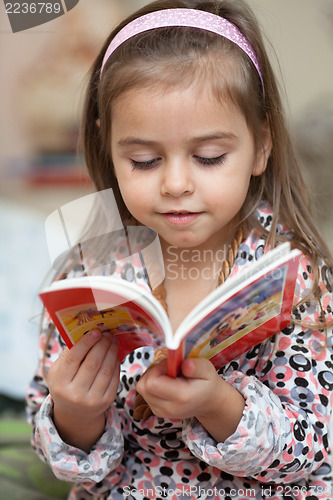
150 114
214 77
153 94
214 72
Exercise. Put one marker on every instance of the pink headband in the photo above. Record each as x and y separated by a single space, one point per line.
183 17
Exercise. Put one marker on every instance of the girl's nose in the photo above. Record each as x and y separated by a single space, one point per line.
177 179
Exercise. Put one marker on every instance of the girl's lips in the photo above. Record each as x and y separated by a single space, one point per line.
181 218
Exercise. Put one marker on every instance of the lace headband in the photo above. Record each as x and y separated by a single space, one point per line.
184 17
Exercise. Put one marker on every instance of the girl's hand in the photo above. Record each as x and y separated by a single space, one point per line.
199 392
83 383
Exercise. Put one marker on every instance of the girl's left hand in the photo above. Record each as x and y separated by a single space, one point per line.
198 392
185 396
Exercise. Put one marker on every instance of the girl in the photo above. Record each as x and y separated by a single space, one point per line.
183 121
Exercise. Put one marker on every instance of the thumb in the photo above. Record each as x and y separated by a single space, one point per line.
196 368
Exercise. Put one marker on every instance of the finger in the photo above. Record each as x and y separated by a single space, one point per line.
72 358
157 384
112 389
152 373
92 363
108 369
197 368
168 397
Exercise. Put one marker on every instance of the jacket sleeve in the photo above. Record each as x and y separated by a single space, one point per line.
67 462
282 435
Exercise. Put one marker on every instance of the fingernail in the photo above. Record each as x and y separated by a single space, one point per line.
95 333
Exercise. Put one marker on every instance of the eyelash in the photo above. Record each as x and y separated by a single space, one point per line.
144 165
147 165
219 160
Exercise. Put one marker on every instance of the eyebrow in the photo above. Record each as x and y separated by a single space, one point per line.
130 141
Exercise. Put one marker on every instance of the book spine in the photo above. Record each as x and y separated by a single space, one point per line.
175 358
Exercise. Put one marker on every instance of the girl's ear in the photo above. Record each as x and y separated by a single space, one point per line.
264 150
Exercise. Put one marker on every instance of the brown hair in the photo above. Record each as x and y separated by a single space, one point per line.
177 56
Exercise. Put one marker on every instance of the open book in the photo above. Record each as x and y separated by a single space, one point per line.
239 314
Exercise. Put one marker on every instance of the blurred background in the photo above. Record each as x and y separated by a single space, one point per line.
43 76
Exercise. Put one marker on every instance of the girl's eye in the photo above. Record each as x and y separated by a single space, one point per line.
144 165
149 164
218 160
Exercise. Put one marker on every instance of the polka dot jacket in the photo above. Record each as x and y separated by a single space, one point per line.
280 449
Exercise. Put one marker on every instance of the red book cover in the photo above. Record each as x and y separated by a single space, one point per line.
82 306
241 313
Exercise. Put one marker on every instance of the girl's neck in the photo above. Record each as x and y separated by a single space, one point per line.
195 260
191 274
184 293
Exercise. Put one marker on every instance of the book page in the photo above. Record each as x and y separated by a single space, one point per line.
247 310
118 319
270 260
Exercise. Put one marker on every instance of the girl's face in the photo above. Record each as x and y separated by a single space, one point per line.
183 162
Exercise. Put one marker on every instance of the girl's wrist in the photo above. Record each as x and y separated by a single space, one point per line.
223 412
80 431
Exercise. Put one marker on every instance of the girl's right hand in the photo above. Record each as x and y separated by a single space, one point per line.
83 383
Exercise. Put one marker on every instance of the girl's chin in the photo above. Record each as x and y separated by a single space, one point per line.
181 242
